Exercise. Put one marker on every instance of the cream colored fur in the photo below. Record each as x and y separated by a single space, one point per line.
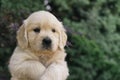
29 60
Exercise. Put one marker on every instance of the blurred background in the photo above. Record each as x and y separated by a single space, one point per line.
93 28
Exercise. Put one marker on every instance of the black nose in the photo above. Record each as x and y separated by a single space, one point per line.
46 41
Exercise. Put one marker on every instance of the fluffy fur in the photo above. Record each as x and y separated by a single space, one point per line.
32 61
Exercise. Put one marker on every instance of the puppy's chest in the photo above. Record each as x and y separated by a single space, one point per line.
45 60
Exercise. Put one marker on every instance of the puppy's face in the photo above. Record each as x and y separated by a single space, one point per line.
41 31
43 36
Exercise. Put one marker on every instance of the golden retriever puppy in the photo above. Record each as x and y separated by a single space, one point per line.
40 52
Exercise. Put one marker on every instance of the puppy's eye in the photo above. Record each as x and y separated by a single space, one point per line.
53 30
37 30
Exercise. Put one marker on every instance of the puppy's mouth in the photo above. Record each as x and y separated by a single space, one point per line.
46 48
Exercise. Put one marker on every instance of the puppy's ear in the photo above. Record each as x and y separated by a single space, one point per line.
22 36
62 39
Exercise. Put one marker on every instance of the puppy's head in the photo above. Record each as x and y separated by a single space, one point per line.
41 31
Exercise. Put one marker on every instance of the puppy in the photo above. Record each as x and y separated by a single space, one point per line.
40 53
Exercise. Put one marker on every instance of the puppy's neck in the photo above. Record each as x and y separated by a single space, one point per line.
44 56
48 57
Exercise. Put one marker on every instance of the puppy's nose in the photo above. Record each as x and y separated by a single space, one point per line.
46 41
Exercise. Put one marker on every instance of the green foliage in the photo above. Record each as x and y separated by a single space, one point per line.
87 61
93 30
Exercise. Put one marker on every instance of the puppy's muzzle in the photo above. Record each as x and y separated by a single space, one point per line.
46 42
